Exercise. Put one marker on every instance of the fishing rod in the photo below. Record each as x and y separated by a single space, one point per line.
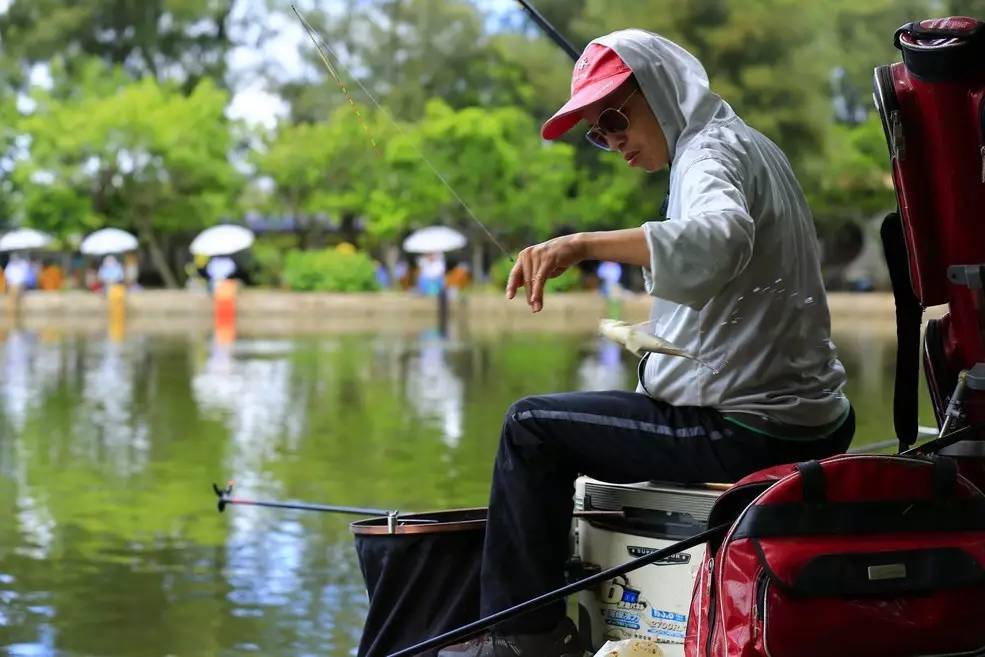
483 624
946 440
226 499
549 29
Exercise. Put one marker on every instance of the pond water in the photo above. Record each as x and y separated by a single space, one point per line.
110 542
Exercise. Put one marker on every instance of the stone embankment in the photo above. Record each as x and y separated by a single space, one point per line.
291 312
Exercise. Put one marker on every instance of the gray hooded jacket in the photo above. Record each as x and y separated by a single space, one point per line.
734 267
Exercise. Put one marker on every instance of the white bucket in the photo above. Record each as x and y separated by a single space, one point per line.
651 603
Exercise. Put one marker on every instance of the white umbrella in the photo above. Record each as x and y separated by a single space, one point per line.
107 241
434 239
23 239
222 240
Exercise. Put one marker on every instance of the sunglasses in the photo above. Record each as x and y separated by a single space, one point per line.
610 121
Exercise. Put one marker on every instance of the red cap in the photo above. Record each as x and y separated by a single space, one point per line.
598 72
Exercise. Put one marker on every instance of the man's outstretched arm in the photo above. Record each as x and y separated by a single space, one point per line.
539 262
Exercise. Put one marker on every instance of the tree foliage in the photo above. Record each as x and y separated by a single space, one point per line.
144 157
180 40
322 170
132 131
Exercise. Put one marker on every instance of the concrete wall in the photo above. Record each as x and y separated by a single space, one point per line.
303 312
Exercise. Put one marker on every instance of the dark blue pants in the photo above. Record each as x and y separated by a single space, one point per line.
614 436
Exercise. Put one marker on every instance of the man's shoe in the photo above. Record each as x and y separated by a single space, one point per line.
562 641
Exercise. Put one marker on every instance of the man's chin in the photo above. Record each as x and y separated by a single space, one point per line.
650 168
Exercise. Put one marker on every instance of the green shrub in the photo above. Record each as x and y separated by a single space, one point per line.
499 272
268 263
329 270
566 282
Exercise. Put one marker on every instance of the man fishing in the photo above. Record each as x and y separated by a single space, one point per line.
735 273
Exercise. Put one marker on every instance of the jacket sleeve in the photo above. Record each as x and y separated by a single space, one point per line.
693 255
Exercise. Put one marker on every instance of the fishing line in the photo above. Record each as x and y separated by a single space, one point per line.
327 54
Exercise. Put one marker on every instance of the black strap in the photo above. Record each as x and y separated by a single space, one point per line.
918 571
908 318
812 480
981 121
945 477
790 519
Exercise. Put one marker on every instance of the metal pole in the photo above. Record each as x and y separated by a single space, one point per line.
225 498
955 436
549 29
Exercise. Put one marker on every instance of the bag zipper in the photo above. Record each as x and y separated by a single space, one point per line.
761 594
759 624
981 127
899 141
892 119
766 589
711 606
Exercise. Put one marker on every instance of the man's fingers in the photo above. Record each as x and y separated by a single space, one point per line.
515 279
537 287
528 273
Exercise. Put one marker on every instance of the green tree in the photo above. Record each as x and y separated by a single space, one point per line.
180 40
517 185
323 170
852 180
145 157
405 52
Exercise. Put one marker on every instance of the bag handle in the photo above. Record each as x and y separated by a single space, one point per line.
813 482
917 30
815 485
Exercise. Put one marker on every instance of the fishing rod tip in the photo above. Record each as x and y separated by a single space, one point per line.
222 494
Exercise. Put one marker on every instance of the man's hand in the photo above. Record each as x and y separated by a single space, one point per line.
537 263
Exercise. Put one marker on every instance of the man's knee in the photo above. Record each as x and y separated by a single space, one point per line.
521 428
524 409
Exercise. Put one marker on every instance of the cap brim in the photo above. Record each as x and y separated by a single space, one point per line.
570 113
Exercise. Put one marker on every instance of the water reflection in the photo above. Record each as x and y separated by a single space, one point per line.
111 428
603 368
31 369
110 543
247 387
433 389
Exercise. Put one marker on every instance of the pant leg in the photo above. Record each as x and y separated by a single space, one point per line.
546 443
615 436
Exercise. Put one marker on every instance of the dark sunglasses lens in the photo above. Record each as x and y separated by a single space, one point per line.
612 120
597 139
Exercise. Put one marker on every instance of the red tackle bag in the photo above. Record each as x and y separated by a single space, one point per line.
853 556
932 105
